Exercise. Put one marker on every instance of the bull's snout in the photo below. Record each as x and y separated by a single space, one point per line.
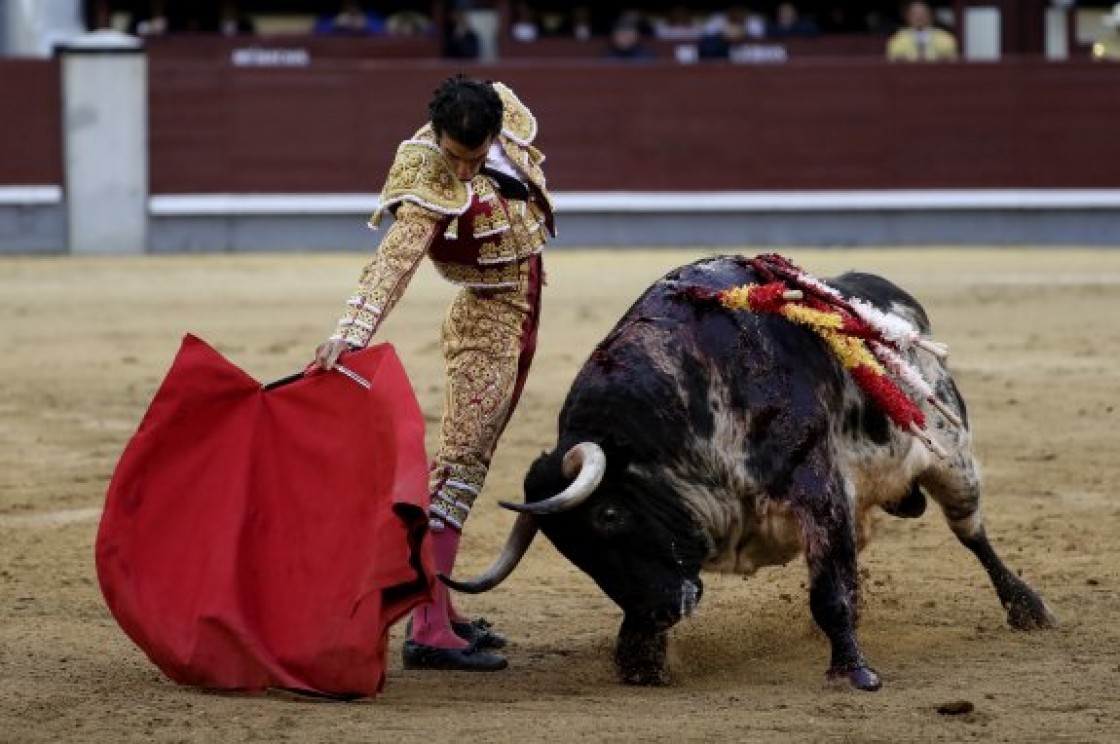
672 607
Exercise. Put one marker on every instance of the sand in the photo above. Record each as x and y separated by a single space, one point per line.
1035 345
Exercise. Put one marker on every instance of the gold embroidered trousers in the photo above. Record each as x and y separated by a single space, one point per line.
488 340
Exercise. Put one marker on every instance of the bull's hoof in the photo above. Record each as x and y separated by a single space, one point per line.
860 677
1027 611
641 656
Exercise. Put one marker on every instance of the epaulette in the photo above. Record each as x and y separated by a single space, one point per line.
422 176
518 122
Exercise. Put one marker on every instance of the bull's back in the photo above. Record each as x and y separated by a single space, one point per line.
675 370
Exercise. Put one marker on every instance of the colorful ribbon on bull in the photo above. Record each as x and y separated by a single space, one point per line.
867 341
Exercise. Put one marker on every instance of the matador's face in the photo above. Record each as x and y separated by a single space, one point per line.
465 161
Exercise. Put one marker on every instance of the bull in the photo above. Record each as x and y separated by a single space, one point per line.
699 438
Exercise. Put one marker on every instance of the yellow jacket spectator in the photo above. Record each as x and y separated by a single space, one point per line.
920 41
1107 47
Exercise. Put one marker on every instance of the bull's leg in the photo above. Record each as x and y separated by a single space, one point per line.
830 550
833 595
641 652
956 488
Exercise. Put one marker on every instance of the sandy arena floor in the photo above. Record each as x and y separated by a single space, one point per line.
1035 342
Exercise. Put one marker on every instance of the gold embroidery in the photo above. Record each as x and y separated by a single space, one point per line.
495 277
421 175
384 279
518 122
494 221
481 341
499 249
505 232
489 224
483 333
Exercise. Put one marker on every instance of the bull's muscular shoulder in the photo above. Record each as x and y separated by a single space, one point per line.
518 122
422 176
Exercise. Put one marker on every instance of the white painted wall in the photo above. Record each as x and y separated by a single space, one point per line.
105 136
1057 33
982 33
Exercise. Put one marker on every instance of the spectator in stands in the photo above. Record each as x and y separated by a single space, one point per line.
582 27
719 41
568 23
523 26
1107 46
408 23
678 25
162 17
636 18
233 22
737 22
789 23
461 41
626 42
351 19
920 40
155 21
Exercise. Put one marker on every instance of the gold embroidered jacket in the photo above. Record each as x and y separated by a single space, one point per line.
475 237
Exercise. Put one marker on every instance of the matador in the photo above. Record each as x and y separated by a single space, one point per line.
468 191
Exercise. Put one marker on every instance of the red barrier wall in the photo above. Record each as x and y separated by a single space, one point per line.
30 122
828 124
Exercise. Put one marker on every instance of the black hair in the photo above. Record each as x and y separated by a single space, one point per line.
468 111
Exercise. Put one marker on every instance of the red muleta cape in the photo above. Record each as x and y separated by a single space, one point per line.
257 537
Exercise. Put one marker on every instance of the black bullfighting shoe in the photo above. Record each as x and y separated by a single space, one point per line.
479 633
469 659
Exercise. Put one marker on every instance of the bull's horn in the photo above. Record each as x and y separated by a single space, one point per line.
520 537
587 463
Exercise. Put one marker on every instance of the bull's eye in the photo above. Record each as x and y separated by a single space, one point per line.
610 519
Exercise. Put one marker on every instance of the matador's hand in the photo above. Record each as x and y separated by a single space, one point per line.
329 352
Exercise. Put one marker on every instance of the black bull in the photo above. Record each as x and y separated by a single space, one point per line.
697 437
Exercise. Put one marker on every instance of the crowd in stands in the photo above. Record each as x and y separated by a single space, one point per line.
913 37
684 23
625 34
226 17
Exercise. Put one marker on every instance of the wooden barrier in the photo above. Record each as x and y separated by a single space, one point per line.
291 49
835 124
332 126
31 116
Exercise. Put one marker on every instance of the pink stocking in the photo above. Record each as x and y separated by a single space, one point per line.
431 623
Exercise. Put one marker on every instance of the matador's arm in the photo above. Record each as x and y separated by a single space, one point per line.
385 278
